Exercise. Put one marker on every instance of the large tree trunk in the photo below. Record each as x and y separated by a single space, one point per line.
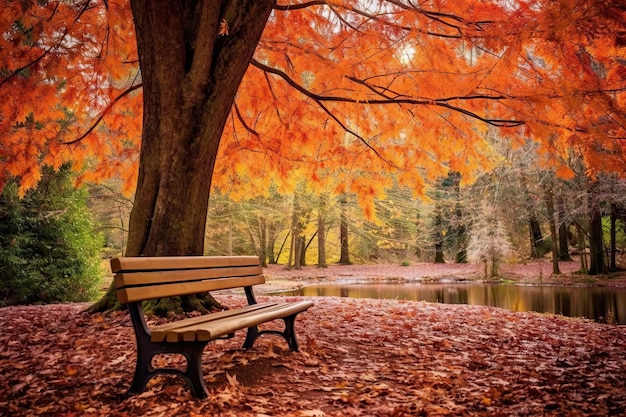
190 76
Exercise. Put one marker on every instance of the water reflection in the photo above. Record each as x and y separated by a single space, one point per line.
602 304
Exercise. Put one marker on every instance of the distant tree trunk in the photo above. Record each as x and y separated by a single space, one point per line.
613 261
563 232
438 235
271 241
297 233
596 244
584 267
295 250
461 255
460 229
495 268
344 258
230 235
564 243
321 242
535 237
253 234
439 259
420 227
549 197
263 241
302 249
280 251
321 231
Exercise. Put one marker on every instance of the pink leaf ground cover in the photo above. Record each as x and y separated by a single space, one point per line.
359 357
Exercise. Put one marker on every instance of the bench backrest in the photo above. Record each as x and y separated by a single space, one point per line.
147 278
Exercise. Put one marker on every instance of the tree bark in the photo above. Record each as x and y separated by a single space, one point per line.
344 258
549 198
582 249
271 241
297 232
460 230
613 260
439 237
535 237
321 242
190 75
563 232
596 244
263 241
302 249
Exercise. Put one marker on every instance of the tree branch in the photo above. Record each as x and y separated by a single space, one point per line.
104 113
442 102
318 99
243 122
456 23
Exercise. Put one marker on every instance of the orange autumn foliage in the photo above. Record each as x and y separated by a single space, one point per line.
339 93
62 66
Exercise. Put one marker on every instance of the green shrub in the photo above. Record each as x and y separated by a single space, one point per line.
48 249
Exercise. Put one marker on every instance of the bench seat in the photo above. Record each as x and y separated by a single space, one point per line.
213 326
138 279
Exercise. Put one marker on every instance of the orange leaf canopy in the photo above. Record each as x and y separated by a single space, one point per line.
340 92
349 93
63 64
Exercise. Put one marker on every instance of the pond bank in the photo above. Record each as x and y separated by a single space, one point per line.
531 272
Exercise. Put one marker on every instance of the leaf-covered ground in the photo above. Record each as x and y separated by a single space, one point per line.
359 358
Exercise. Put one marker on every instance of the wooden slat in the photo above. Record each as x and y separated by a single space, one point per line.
146 263
132 294
191 332
222 327
124 279
210 330
158 333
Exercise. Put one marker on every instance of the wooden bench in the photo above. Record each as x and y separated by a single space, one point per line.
138 279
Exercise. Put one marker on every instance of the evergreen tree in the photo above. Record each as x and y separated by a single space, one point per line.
48 249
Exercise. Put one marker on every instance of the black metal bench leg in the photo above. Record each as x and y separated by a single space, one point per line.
251 336
194 376
143 372
290 332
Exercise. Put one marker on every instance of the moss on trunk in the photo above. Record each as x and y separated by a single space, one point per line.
108 302
164 307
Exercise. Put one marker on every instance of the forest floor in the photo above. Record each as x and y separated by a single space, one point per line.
359 357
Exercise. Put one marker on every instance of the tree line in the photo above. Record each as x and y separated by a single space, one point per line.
518 210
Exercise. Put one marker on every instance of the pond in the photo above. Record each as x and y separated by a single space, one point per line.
597 303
